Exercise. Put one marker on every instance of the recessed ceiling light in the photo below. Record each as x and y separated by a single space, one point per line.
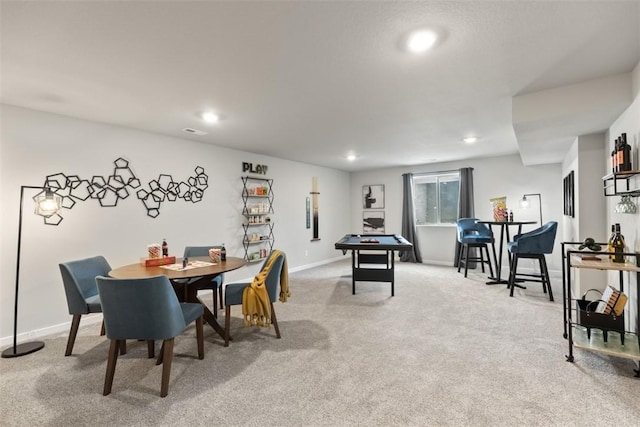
210 117
351 157
421 41
470 139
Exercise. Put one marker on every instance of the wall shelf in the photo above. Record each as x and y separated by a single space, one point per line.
621 184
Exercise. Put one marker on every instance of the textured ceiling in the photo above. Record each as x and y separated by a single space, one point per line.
312 81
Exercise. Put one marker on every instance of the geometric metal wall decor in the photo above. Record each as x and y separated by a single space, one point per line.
119 185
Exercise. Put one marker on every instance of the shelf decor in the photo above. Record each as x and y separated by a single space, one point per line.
257 199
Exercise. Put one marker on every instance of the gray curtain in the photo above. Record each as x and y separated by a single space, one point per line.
465 206
408 221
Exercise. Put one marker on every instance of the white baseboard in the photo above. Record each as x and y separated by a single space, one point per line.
61 328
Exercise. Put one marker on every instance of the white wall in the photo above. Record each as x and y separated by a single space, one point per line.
36 144
492 177
585 160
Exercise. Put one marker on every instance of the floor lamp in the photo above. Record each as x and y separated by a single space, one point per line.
47 205
525 203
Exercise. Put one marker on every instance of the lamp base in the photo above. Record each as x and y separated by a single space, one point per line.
23 349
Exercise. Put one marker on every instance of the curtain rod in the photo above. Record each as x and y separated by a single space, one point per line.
436 172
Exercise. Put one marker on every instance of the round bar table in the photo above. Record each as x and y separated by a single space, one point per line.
504 228
186 290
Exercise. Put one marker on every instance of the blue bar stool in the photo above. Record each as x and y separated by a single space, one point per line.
471 234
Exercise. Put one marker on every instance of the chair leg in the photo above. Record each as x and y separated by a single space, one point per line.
103 330
466 259
512 274
161 355
220 297
482 261
227 324
75 323
111 366
200 337
123 347
166 367
545 272
151 348
274 320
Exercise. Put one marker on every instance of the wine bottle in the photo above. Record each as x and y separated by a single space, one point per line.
626 153
223 253
165 248
618 245
610 248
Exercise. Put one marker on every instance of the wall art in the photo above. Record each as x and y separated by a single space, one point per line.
373 196
111 189
373 222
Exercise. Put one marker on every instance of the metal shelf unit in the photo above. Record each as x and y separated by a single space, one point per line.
577 334
257 199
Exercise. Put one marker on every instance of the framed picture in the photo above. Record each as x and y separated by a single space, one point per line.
373 222
373 196
568 184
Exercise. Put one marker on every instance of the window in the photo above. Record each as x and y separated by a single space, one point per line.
436 198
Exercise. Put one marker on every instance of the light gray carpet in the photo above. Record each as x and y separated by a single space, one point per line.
444 351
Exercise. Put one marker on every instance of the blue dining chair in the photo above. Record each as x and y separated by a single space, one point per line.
472 234
216 282
146 309
533 245
79 280
233 293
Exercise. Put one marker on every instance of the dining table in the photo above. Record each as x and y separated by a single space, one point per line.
187 280
504 232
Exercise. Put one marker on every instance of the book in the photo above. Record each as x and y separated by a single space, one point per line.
154 262
612 301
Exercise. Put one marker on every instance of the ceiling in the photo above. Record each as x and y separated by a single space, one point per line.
313 81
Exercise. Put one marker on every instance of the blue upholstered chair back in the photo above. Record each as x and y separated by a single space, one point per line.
470 231
79 279
538 241
190 251
142 309
273 278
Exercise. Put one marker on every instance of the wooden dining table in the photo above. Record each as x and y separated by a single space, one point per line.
186 282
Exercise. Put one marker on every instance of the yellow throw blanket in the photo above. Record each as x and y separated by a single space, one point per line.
256 305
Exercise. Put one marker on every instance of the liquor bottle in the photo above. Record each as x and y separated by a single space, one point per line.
618 245
165 248
510 215
610 248
613 160
626 152
223 253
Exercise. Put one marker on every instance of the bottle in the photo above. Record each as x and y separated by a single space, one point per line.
618 245
223 253
165 248
610 242
510 215
620 154
626 153
613 159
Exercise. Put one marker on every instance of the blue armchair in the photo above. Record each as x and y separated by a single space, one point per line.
534 245
79 279
472 234
216 282
146 309
234 291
